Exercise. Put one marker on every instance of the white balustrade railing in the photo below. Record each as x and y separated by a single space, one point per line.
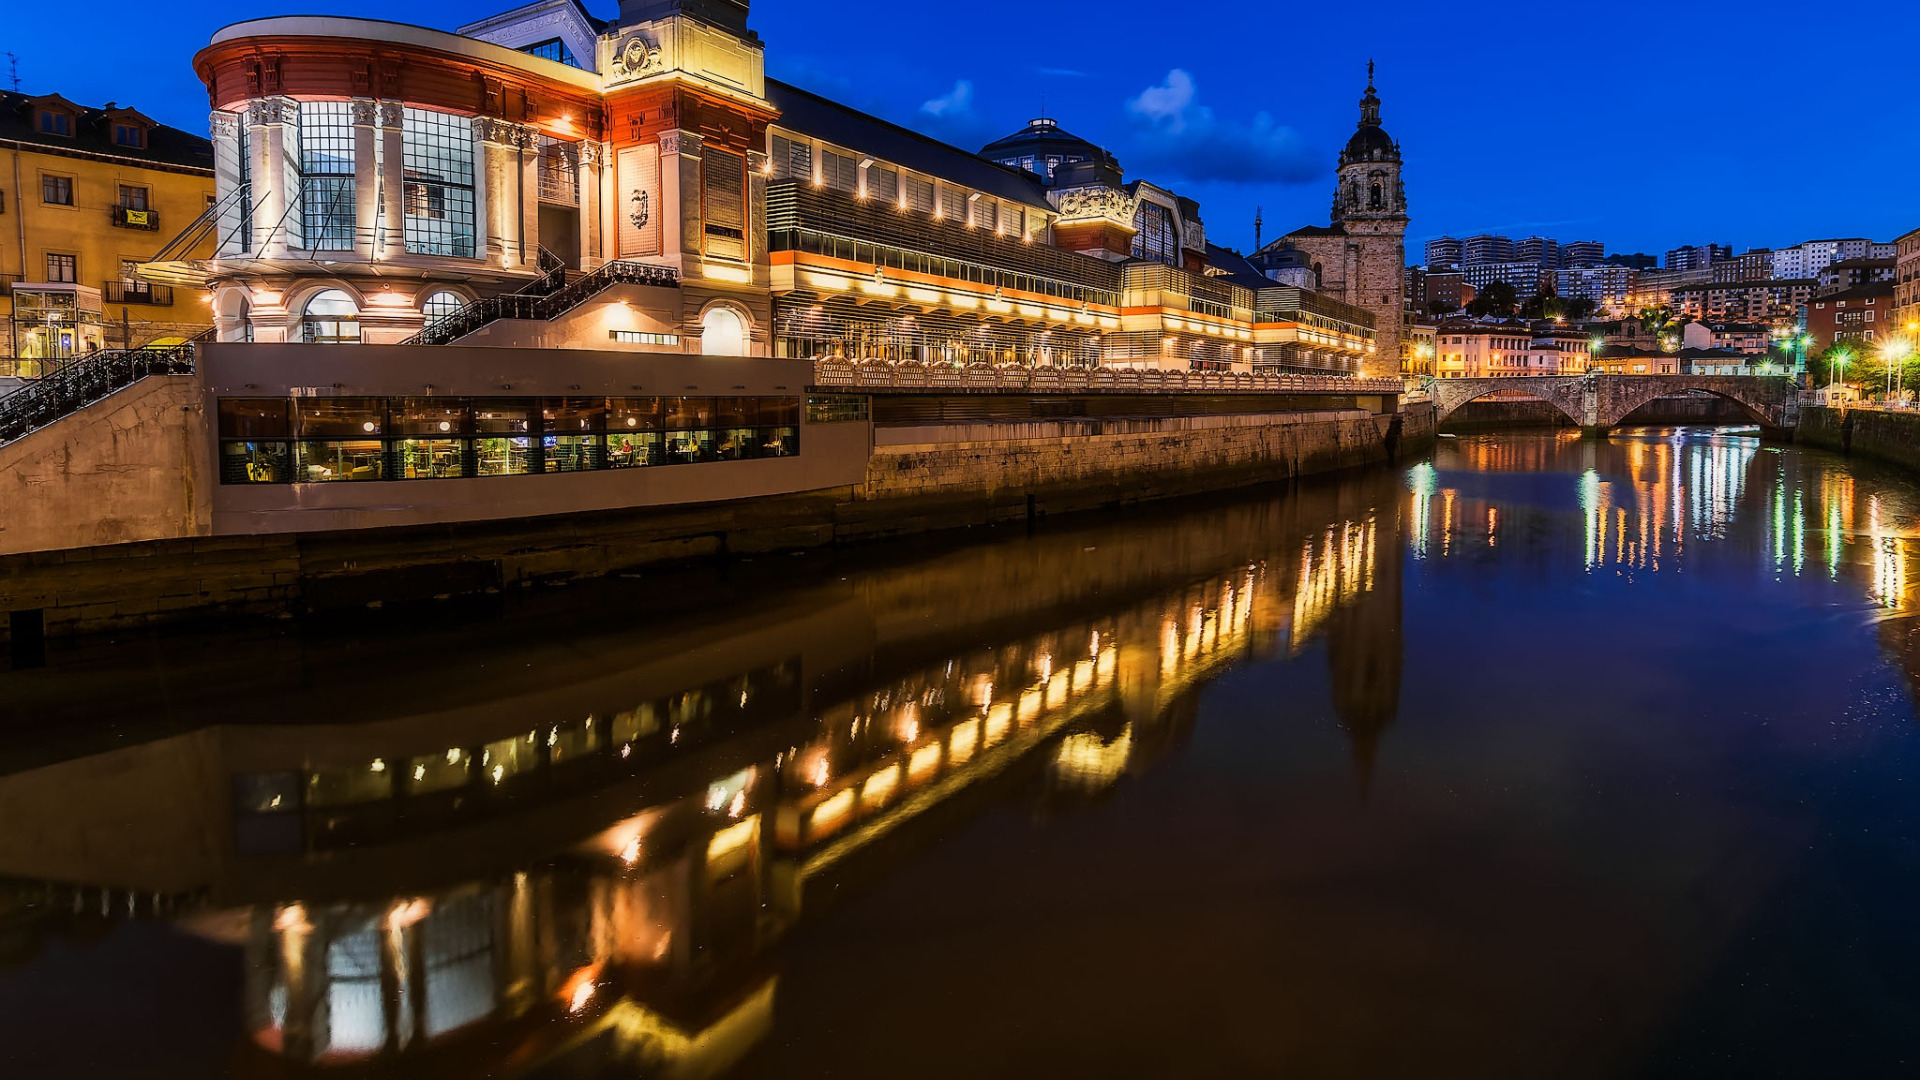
982 378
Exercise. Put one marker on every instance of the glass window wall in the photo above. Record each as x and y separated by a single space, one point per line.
326 167
437 153
318 440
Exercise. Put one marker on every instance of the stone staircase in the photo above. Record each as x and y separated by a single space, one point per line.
552 295
89 379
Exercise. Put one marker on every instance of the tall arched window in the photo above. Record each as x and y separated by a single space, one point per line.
1376 199
722 333
441 304
330 318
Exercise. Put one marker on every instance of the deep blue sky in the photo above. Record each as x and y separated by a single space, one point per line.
1644 124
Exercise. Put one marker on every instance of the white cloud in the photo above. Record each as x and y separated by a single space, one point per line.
954 103
1167 104
1177 137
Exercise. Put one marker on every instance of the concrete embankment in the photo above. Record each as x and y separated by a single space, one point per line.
919 478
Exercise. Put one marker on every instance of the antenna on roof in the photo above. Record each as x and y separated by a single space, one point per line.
13 70
1256 229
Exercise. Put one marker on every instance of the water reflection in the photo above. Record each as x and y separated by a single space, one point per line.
1646 497
1584 751
434 856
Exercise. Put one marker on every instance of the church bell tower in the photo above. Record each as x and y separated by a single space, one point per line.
1370 207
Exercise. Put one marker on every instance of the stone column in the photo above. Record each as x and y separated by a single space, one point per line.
230 227
527 163
366 176
506 193
591 165
390 228
272 134
681 230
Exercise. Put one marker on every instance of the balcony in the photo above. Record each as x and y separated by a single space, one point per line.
132 217
137 292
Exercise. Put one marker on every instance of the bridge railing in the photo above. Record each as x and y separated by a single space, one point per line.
986 378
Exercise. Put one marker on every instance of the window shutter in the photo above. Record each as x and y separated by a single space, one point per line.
919 194
725 174
840 172
883 184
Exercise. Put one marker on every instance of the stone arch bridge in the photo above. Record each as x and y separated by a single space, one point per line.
1600 402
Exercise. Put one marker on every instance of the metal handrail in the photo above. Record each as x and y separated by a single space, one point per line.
985 377
556 297
90 379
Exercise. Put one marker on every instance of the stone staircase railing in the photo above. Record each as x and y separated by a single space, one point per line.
86 380
982 378
550 297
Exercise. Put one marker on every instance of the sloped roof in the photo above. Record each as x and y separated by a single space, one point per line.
808 113
93 134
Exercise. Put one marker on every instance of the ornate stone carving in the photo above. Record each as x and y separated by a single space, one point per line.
679 142
223 124
391 113
366 112
639 208
265 111
593 153
1193 235
489 129
1096 203
635 56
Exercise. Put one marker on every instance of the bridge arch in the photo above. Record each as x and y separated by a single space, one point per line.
1564 392
1762 398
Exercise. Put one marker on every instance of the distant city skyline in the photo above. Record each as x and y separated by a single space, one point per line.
1212 111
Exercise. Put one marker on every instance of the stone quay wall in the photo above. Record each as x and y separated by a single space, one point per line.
1890 435
919 478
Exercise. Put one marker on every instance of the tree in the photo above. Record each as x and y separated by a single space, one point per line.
1441 307
1860 361
1498 298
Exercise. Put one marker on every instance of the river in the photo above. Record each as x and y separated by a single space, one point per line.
1542 757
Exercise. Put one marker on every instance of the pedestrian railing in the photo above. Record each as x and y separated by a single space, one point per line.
548 297
86 380
984 378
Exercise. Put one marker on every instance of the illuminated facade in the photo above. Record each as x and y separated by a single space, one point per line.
1469 350
90 192
545 179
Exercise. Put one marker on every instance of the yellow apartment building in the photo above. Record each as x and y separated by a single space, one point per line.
86 195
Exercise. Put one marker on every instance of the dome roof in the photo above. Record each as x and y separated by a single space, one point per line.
1369 143
1041 138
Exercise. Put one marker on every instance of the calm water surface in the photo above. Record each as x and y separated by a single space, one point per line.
1542 758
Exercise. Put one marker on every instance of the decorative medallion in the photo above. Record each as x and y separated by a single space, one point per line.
641 212
637 56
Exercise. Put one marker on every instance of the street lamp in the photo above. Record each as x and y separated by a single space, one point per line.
1895 353
1838 363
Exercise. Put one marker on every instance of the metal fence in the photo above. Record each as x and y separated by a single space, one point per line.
981 378
87 380
547 298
